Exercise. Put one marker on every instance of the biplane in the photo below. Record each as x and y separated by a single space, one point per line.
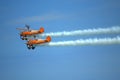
32 43
27 32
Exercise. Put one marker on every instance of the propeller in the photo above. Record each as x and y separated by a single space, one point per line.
28 27
24 29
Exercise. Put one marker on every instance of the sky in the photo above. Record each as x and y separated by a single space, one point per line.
98 62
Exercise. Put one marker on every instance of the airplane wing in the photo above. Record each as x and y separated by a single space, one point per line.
21 29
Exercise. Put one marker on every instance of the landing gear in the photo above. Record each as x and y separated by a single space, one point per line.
34 37
23 37
30 47
33 47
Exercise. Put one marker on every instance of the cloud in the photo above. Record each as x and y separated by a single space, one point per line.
41 18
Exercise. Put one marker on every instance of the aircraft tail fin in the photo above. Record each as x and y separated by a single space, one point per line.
48 38
41 30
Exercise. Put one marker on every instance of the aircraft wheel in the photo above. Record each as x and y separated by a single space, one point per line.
22 38
28 46
26 39
34 36
33 47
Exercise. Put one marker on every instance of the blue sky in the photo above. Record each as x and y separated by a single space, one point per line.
58 63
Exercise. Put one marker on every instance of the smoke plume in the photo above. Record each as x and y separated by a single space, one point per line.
81 42
111 30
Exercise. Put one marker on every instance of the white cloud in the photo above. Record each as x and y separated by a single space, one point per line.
32 19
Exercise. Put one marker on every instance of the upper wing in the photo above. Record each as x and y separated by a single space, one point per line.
21 29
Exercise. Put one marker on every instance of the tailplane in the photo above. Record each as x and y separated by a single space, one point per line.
41 30
48 38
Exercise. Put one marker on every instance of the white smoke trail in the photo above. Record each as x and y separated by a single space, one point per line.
81 42
111 30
